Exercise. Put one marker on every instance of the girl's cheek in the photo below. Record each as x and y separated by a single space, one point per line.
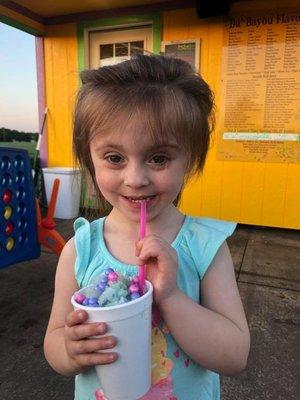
169 181
106 180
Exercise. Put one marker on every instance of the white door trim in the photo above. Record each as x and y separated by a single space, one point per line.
87 31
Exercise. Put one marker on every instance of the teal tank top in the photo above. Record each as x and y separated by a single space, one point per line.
175 376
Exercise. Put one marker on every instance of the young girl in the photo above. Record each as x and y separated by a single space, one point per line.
142 128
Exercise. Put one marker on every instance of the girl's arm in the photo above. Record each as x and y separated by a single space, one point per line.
66 346
215 334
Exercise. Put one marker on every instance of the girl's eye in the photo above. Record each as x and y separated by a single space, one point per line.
114 159
159 159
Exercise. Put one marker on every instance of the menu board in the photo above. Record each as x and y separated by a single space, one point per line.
187 50
260 95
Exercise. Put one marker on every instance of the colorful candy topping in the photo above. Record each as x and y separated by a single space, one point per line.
111 289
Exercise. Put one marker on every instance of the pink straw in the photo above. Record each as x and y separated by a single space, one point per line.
142 233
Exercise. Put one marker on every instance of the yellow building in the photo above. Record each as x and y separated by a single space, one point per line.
247 53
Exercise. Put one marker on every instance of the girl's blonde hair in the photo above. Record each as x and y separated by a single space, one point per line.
164 93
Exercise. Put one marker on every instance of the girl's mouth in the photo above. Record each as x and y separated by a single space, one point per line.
140 199
135 202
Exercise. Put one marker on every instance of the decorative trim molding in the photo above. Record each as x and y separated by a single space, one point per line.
23 11
40 72
93 15
118 12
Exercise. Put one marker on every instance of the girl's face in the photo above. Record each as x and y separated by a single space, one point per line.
130 167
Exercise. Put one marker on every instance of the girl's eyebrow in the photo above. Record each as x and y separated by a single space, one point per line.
111 146
151 148
163 146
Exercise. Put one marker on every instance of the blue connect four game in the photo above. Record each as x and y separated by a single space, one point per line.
18 224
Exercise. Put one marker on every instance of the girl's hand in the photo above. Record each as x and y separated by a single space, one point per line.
162 263
83 351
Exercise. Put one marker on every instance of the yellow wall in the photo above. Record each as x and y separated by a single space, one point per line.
61 71
247 192
253 193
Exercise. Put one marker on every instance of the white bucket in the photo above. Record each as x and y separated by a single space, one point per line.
128 378
68 199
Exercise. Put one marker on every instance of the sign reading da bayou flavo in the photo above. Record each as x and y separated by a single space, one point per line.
260 112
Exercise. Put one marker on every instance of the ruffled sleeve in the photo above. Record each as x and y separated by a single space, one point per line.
204 237
83 248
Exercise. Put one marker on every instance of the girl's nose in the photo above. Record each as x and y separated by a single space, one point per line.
136 176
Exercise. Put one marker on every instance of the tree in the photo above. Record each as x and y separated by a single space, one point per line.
10 135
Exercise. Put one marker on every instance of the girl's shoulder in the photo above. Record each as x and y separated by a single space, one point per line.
200 239
87 234
82 224
87 238
210 226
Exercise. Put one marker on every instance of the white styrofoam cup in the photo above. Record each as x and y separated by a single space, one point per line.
128 378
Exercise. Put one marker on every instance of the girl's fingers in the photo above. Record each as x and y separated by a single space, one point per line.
76 317
92 359
94 345
82 331
151 251
138 246
150 239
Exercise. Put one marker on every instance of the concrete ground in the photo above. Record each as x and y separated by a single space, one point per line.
266 263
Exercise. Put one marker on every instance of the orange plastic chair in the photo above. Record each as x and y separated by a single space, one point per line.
47 235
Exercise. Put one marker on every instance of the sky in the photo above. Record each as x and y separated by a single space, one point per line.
18 81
